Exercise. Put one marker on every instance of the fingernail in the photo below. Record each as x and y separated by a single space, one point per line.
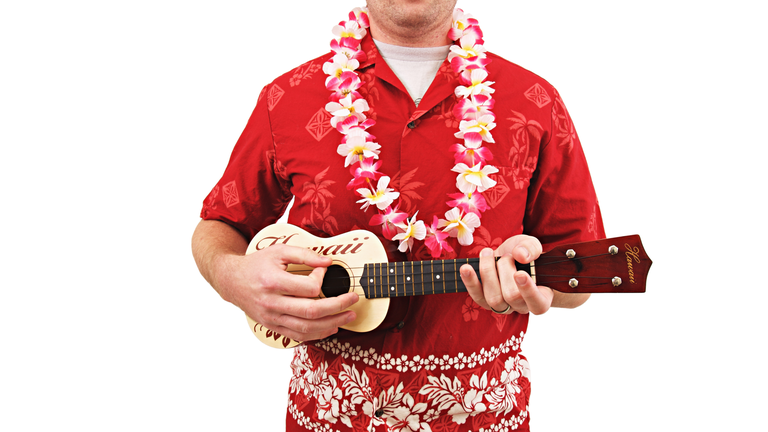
486 252
520 279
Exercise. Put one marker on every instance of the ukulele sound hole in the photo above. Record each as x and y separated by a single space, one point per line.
336 281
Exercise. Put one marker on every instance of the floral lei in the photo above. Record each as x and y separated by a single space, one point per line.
468 59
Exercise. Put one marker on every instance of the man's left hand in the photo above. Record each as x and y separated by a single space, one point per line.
504 289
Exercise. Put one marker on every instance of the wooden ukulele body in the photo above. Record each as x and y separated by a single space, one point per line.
350 252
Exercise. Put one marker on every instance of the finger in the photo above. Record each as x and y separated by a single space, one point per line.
472 282
316 308
302 329
523 248
538 299
506 269
490 280
281 282
296 255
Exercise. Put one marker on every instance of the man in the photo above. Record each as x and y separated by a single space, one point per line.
440 361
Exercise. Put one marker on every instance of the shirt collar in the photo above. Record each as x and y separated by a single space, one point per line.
442 86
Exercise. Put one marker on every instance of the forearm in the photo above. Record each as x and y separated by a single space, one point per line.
568 301
212 243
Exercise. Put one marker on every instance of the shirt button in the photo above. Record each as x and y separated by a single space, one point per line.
412 125
379 412
400 325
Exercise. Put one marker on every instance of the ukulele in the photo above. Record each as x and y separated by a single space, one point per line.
360 265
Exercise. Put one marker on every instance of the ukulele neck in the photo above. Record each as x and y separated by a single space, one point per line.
412 278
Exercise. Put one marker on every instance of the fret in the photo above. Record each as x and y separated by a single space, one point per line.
421 272
457 275
395 282
377 278
440 276
408 274
432 275
383 273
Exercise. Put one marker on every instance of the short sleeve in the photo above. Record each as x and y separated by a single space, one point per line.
562 205
253 191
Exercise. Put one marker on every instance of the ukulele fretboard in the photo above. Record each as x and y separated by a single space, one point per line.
411 278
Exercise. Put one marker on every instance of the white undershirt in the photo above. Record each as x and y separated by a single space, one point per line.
415 67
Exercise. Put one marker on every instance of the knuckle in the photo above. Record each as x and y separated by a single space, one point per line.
266 280
277 319
509 296
312 312
264 304
494 300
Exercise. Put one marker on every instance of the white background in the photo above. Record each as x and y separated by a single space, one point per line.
117 118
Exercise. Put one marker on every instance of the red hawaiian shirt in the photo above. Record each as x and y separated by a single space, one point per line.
438 362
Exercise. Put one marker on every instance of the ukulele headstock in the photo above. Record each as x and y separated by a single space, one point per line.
617 265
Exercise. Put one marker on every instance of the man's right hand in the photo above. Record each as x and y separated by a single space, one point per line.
259 284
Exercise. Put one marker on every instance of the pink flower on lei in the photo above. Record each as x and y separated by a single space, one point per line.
390 220
345 85
361 16
473 107
473 152
469 203
351 52
463 23
351 126
436 239
363 172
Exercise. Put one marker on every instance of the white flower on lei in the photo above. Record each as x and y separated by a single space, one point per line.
339 64
410 232
460 225
382 197
346 107
475 178
481 125
356 147
474 83
467 47
350 29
